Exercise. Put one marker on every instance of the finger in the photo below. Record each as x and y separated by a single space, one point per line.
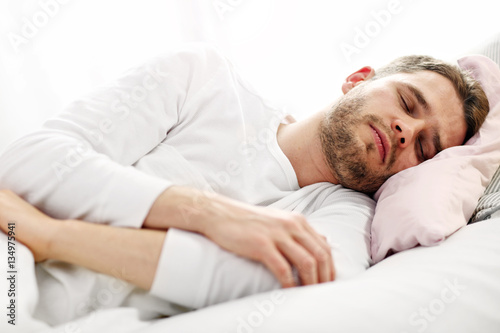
321 250
279 267
302 260
324 256
330 252
324 261
320 239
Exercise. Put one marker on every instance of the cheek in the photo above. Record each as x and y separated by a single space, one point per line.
405 160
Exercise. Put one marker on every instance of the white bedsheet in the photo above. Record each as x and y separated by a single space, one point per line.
449 288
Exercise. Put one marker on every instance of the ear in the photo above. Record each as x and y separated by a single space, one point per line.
357 77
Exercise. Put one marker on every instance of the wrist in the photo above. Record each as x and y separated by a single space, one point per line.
178 207
55 232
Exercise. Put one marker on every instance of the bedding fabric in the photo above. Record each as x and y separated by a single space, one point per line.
446 288
426 204
491 49
452 287
489 203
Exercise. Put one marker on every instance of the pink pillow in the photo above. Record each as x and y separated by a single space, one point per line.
425 204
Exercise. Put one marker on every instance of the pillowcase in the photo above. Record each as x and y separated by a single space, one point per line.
425 204
489 202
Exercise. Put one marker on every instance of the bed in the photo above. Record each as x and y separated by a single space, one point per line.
452 286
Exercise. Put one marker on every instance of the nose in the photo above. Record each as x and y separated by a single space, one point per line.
406 131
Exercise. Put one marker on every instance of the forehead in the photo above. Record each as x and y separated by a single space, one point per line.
445 107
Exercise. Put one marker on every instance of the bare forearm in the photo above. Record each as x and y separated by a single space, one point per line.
179 207
128 254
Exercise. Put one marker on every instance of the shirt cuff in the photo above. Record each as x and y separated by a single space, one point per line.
194 272
184 268
130 198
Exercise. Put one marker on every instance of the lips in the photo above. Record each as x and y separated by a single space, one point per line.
381 142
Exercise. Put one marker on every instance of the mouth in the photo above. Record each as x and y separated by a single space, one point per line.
381 142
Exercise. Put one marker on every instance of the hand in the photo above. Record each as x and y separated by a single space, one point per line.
275 238
31 227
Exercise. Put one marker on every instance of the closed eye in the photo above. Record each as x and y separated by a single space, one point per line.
418 148
422 155
407 109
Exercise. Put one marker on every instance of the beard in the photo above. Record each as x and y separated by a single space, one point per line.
345 155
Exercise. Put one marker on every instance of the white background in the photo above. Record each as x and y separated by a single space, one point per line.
52 51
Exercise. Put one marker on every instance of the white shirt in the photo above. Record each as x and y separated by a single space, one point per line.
186 118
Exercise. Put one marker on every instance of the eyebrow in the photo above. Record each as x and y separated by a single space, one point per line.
419 96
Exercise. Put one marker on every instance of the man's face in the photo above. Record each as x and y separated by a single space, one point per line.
387 125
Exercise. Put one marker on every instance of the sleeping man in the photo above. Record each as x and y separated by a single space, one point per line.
201 192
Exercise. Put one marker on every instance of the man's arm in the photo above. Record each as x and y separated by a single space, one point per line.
276 238
135 253
125 253
79 164
195 272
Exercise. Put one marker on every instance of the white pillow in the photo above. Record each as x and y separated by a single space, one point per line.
409 292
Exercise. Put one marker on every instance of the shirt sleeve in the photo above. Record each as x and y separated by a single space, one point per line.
80 163
344 219
194 272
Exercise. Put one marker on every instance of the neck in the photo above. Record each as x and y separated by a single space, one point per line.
301 144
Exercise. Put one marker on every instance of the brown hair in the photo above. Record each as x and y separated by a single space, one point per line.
475 102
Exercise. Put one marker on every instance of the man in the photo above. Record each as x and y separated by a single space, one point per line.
183 143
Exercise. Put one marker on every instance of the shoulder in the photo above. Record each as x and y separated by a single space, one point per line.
331 197
192 68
